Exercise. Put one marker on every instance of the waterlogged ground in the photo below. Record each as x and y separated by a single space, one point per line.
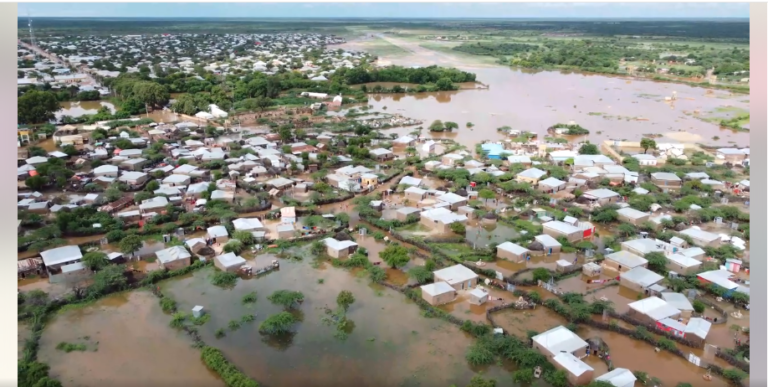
391 343
128 342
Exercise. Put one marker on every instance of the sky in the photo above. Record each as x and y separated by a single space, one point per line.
388 10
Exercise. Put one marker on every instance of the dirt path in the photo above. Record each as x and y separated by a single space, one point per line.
418 55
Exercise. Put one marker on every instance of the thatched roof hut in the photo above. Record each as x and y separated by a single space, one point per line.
536 246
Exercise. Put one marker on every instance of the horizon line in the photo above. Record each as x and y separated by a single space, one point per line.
395 18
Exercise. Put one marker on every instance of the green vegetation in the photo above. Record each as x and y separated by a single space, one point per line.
69 347
224 279
277 324
215 360
249 298
395 255
286 298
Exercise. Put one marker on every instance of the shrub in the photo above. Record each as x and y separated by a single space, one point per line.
249 298
699 306
215 360
224 279
167 304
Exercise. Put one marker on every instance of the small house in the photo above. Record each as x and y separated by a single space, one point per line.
217 234
558 340
550 245
665 180
440 219
645 159
248 224
478 296
134 179
288 215
381 154
438 293
652 309
339 249
458 276
601 196
229 262
633 216
285 230
410 181
558 229
177 180
467 211
135 164
415 194
512 252
195 244
530 176
55 259
624 261
402 214
591 269
682 264
578 372
696 330
618 377
702 238
453 200
551 185
680 302
106 171
174 258
639 280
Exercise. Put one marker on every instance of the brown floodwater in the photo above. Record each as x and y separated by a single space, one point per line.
610 107
128 342
81 108
391 343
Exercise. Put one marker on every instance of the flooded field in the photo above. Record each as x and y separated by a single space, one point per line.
390 344
610 107
128 342
81 108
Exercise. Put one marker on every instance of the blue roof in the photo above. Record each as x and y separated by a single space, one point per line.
493 149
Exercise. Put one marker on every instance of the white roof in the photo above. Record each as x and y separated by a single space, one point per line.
698 327
642 276
697 175
230 260
560 339
678 300
532 173
655 308
478 292
105 169
552 182
247 224
645 245
443 215
61 255
176 179
129 176
415 190
455 274
665 176
380 152
683 260
693 251
627 259
674 324
700 234
437 288
601 193
572 364
192 242
642 156
619 377
632 213
547 240
72 267
512 248
519 159
410 180
337 244
561 227
720 278
173 253
451 198
217 231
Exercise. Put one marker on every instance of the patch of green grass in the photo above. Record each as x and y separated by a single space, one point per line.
249 298
202 319
247 318
220 333
234 325
70 347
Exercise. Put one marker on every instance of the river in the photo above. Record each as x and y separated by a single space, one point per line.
610 107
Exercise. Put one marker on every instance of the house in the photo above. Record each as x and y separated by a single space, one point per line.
185 169
720 279
639 279
174 258
558 340
696 176
177 180
578 372
524 160
288 215
438 293
550 245
467 211
680 302
415 194
135 164
619 377
696 330
280 183
248 224
134 179
55 259
652 309
624 261
454 201
218 234
585 161
732 155
130 153
195 244
512 252
530 176
665 180
642 246
399 144
702 238
551 185
402 214
558 229
369 180
93 198
105 171
285 230
440 219
682 264
645 160
410 181
229 262
339 249
601 196
459 277
696 253
37 160
381 154
633 216
156 204
39 207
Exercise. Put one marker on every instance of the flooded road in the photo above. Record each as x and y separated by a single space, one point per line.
128 342
391 343
610 107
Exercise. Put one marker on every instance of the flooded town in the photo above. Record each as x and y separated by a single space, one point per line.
334 203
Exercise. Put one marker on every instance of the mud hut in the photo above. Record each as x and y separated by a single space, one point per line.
489 219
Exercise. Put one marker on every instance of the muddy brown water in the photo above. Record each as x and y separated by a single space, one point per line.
77 109
391 343
534 101
128 342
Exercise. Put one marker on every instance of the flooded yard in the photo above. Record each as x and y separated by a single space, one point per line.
128 342
390 342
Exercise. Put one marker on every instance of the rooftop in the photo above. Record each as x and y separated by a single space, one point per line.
627 259
642 276
437 288
572 364
560 339
455 274
655 308
173 253
512 248
60 255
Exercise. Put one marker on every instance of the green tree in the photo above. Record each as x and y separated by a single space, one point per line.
541 274
277 324
599 383
345 299
95 260
109 279
557 378
130 244
245 237
647 143
36 107
437 126
36 182
589 149
286 298
458 228
395 255
656 261
523 376
479 381
486 194
420 274
262 103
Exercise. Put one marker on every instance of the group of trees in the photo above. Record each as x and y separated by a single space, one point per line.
420 76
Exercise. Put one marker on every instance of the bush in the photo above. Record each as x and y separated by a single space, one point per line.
249 298
215 360
699 306
541 274
224 279
167 304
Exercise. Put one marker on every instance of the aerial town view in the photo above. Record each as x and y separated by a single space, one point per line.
337 197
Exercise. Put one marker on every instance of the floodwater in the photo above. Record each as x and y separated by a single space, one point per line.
128 342
391 344
612 108
81 108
